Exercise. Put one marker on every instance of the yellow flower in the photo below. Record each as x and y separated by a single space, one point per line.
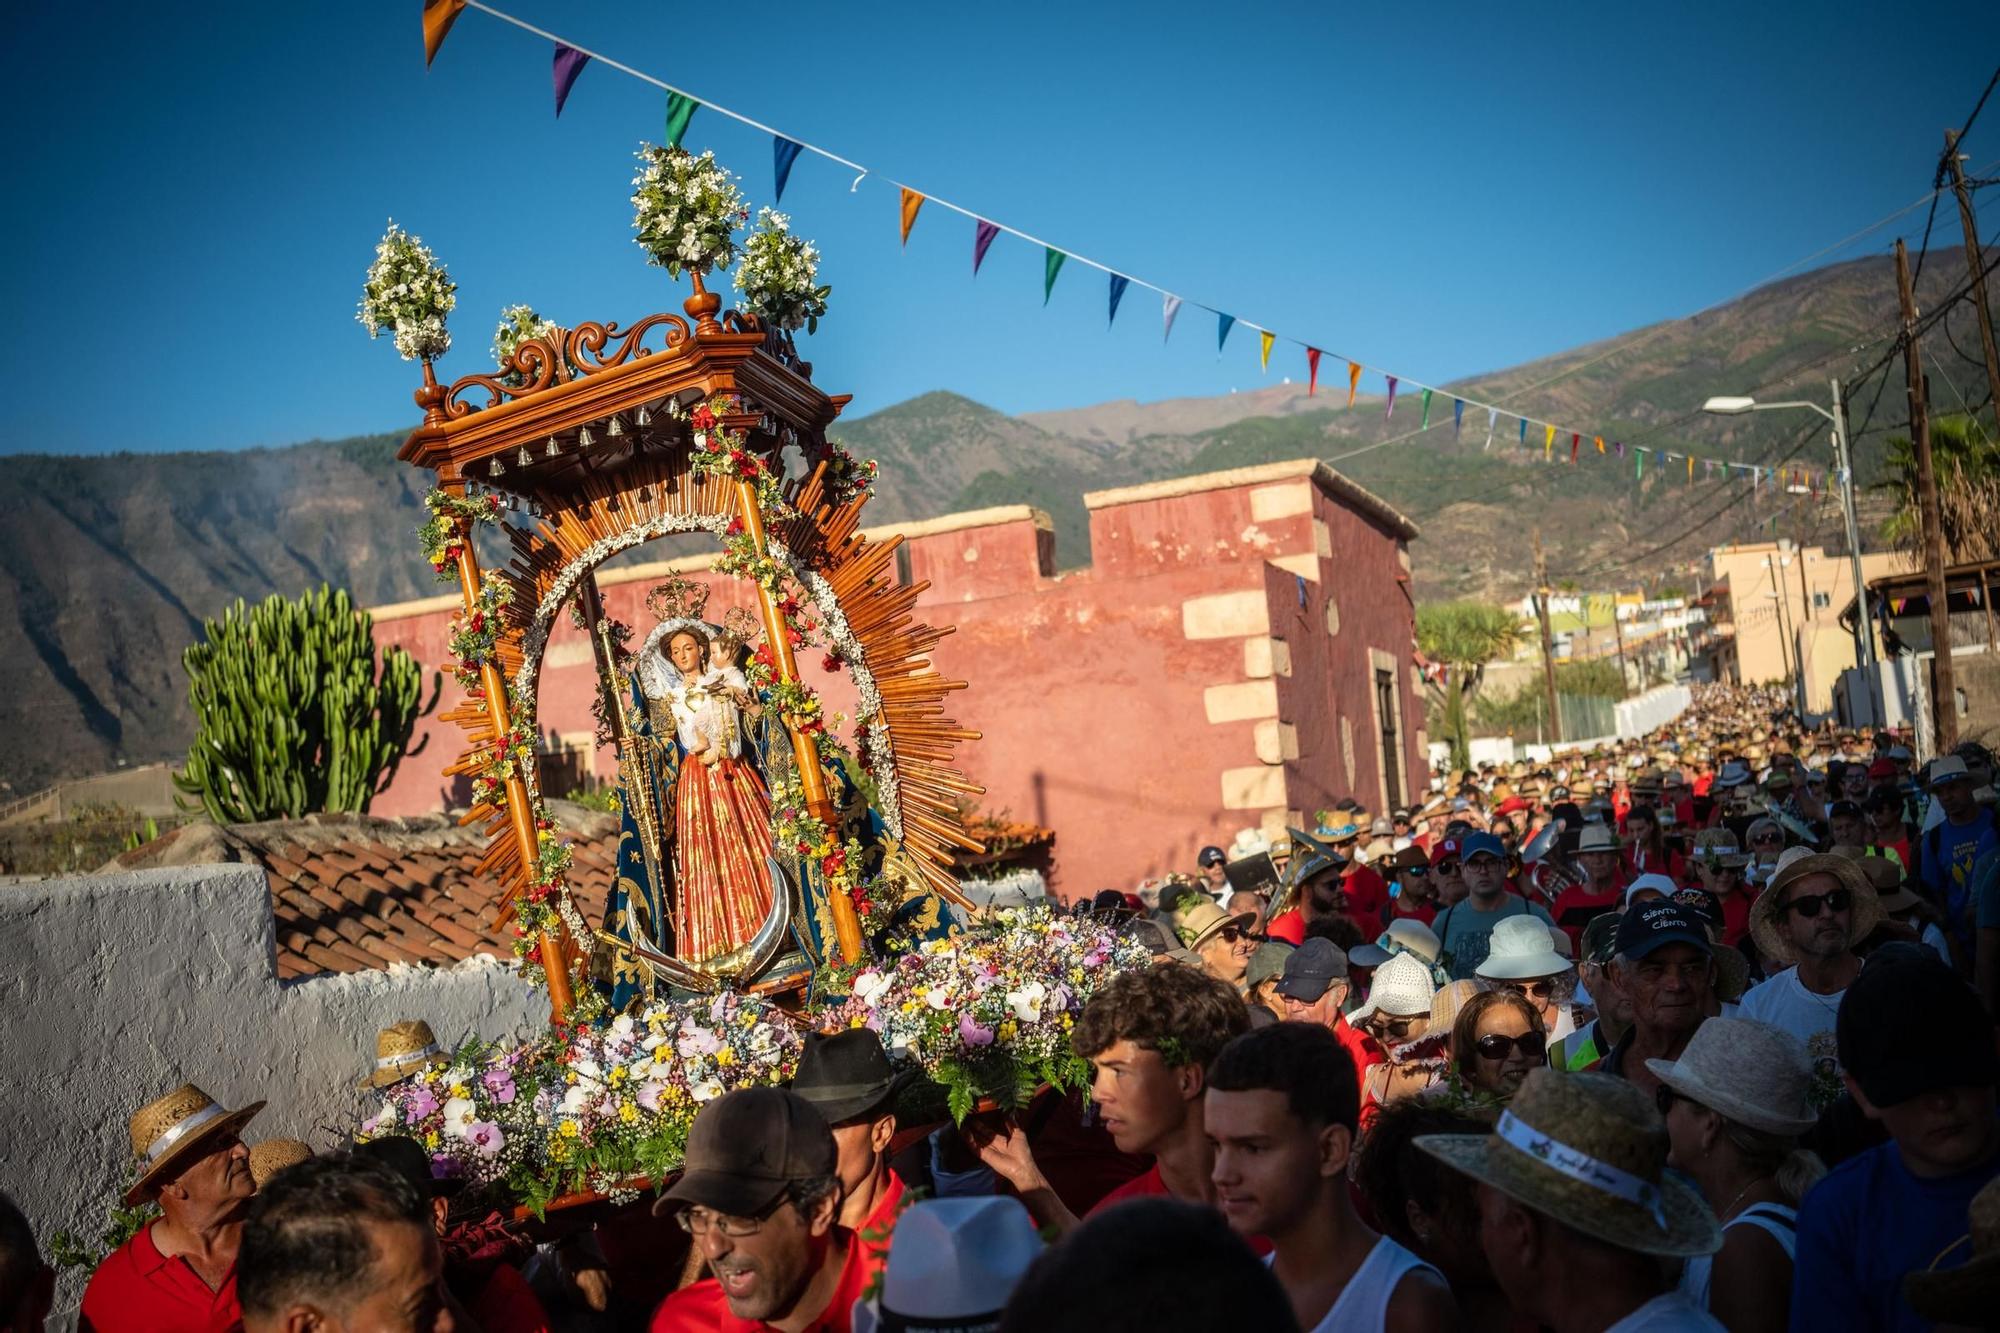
725 1057
559 1151
1008 1029
569 1129
628 1111
617 1075
431 1140
569 1076
458 1090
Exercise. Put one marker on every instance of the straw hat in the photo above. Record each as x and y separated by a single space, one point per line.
1448 1000
1750 1072
1885 875
1795 865
1202 922
171 1131
271 1156
1521 949
1965 1294
401 1049
1597 838
1402 986
1589 1151
1718 847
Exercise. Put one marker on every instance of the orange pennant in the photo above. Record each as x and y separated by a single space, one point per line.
1353 380
439 15
912 201
1600 443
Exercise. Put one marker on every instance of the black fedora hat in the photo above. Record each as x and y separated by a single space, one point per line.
846 1074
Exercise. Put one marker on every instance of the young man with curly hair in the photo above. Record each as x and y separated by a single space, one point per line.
1149 1037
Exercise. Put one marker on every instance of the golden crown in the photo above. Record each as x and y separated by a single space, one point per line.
679 598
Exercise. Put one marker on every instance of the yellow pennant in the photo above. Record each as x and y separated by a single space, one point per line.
912 201
1690 467
1264 355
1353 380
1548 442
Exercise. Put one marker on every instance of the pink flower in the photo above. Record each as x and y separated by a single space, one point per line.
422 1103
499 1085
485 1137
972 1034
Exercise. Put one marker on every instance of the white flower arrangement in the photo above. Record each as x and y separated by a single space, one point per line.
777 276
519 323
686 210
408 294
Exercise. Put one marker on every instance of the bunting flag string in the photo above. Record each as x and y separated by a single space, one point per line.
569 63
680 110
983 233
439 16
784 152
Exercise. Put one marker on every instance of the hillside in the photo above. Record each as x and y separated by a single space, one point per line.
109 564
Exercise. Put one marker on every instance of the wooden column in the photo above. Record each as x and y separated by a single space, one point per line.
1986 600
805 749
555 953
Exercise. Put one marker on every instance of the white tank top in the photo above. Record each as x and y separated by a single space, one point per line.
1776 1220
1363 1304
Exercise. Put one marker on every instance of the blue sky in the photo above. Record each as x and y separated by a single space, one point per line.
197 190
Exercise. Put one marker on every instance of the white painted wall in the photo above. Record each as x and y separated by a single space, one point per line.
116 988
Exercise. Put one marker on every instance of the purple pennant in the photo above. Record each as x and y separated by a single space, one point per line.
784 152
983 233
1392 399
569 64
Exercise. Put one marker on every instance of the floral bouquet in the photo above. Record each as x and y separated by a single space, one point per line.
987 1013
408 294
779 276
686 210
590 1108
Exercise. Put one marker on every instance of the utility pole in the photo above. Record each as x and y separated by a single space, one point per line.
1548 639
1944 691
1954 164
1618 629
1864 618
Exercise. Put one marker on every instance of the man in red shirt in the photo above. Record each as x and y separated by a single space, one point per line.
1316 888
1149 1037
760 1194
178 1273
848 1079
1314 988
1597 852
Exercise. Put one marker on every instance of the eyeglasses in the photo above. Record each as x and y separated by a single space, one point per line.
700 1221
1534 990
1389 1027
1497 1046
1837 900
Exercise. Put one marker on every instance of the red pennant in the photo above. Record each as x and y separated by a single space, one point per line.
1312 371
1575 442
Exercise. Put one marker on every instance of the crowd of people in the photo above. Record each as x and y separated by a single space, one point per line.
1695 1033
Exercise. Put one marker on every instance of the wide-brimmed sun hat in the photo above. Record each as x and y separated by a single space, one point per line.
1795 865
171 1131
1733 773
1204 921
1597 838
1967 1293
1749 1072
952 1264
271 1156
1311 856
1590 1151
401 1049
1521 949
1402 986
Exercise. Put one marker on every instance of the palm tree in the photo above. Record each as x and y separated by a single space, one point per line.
1967 462
1461 638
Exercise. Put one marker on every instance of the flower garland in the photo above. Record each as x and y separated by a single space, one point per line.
448 519
584 1107
476 632
987 1013
686 210
847 477
408 294
778 276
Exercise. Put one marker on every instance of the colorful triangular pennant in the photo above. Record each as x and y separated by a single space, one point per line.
1170 305
1223 324
1052 262
1312 371
1264 341
1119 282
569 63
784 152
983 233
439 15
680 110
1353 380
1390 411
912 201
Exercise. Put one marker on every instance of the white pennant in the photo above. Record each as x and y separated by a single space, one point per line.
1171 308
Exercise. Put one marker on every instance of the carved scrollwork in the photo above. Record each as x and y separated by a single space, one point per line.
539 363
737 321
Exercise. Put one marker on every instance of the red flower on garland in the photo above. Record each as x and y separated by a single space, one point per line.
832 662
735 528
702 418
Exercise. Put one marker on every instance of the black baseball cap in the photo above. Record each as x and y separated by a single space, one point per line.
1905 988
746 1148
1211 856
1648 926
1846 809
1312 968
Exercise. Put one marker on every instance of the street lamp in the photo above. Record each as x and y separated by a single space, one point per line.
1863 621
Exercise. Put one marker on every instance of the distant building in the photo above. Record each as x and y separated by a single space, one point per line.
1773 615
1238 654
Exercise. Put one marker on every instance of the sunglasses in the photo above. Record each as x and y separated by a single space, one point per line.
1495 1046
1839 900
1534 990
1391 1028
1416 872
1446 868
1232 934
1773 839
1664 1098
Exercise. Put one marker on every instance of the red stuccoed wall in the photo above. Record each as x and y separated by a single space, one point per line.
1213 669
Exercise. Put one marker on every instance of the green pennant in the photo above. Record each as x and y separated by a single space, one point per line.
1427 411
680 110
1052 260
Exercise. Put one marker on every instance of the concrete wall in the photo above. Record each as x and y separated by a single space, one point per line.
1213 669
115 989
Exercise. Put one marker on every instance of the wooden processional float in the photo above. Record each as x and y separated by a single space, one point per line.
592 431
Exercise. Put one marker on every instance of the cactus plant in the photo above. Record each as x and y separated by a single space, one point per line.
291 713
